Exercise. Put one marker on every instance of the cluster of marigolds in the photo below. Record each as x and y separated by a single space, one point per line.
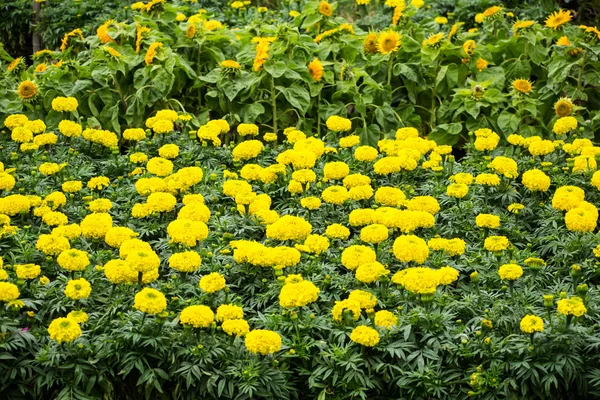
319 177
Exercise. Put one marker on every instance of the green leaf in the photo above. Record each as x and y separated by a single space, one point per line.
297 96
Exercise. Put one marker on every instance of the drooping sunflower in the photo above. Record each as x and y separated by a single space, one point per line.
315 68
14 64
370 43
591 32
558 18
522 85
493 11
563 107
563 41
325 9
230 64
434 40
388 42
27 90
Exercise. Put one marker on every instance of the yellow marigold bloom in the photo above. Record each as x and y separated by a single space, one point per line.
15 120
388 42
151 53
116 235
515 208
247 150
96 225
197 316
486 139
70 128
335 195
385 319
419 280
289 227
150 301
349 141
142 260
567 197
64 330
98 183
65 104
487 180
21 135
390 196
487 221
8 291
424 203
375 233
187 232
27 271
457 190
78 316
531 324
365 336
536 180
78 289
187 261
27 90
580 219
441 20
558 18
371 272
338 124
510 272
226 312
52 245
325 9
247 130
505 166
337 231
496 243
370 43
264 342
212 282
159 166
237 327
564 125
453 247
310 203
298 294
315 68
365 153
571 306
409 248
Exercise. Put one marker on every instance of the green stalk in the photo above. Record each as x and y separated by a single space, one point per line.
274 104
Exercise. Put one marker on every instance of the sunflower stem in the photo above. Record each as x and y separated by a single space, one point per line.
390 65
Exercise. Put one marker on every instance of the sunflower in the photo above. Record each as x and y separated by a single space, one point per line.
11 67
558 18
591 32
433 40
315 68
563 41
388 42
41 68
325 9
522 85
230 64
492 12
370 43
481 64
27 90
469 47
522 25
563 107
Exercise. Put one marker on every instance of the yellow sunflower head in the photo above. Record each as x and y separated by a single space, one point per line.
563 107
563 41
370 43
492 12
315 69
14 64
522 85
558 18
230 64
325 9
27 90
388 42
434 40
